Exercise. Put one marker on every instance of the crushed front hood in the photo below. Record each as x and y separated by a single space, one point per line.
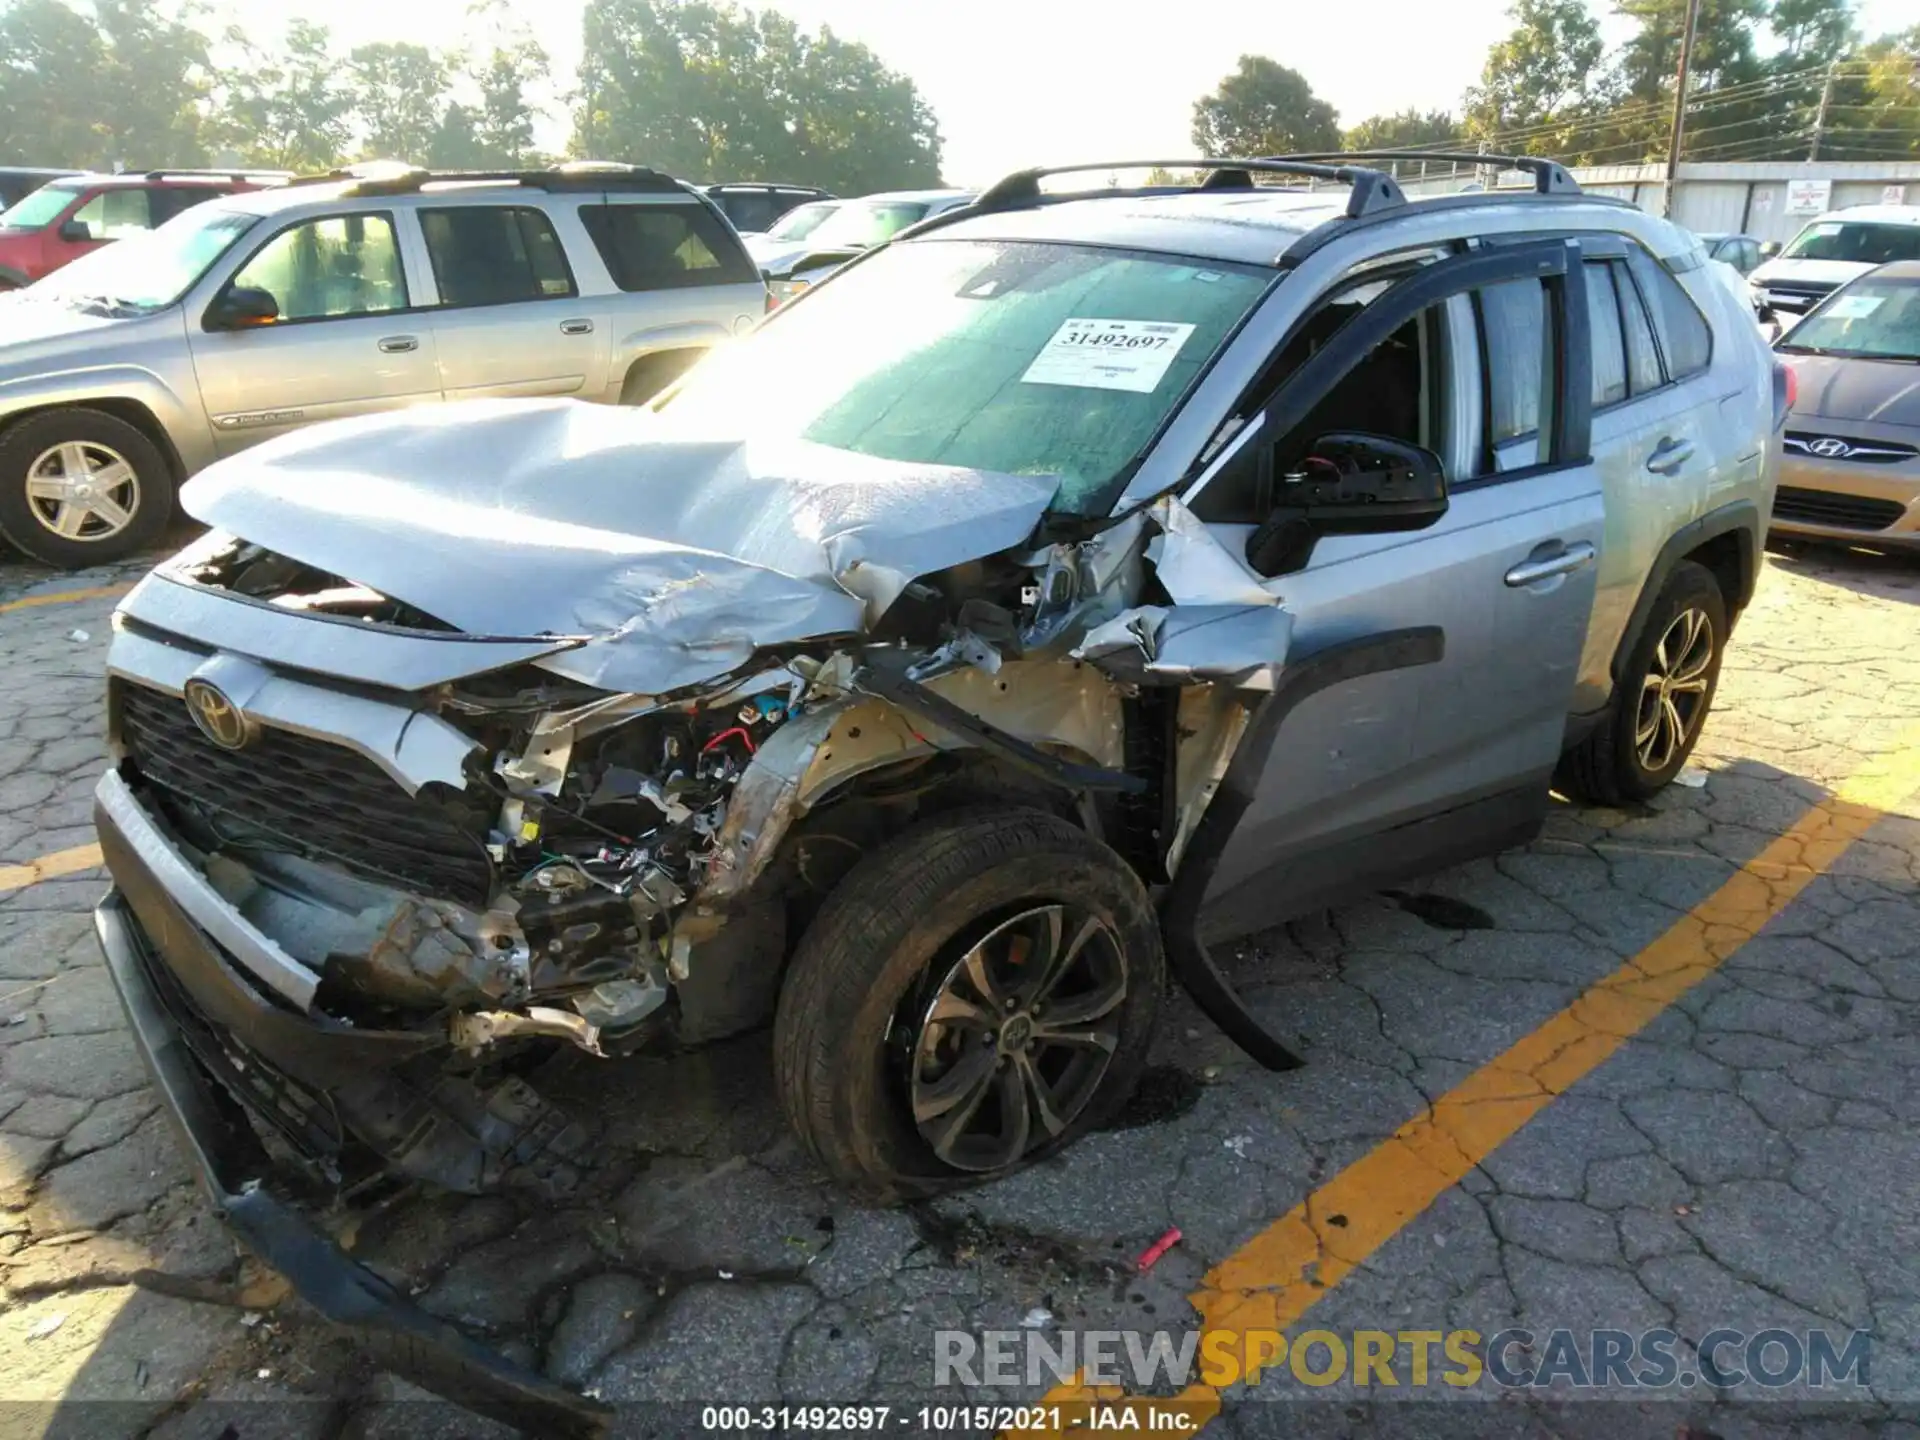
677 557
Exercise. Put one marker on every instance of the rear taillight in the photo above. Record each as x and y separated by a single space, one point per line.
1786 392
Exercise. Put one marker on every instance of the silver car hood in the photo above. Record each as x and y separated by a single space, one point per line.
673 557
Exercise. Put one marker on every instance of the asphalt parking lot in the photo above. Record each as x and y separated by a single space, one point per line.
1660 1069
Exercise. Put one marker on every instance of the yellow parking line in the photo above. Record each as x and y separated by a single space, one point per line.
1278 1275
61 597
49 867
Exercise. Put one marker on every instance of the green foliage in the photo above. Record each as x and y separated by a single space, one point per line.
712 92
123 85
1408 127
291 109
1542 78
1264 108
399 94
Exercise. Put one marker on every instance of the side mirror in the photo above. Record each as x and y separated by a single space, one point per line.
241 307
1347 484
1769 249
76 232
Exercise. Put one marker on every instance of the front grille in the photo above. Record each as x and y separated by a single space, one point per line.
1846 447
318 799
285 1110
1826 507
1807 291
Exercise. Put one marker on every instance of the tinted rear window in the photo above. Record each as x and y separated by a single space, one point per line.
666 247
494 255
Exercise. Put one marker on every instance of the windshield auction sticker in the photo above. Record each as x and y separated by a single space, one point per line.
1108 354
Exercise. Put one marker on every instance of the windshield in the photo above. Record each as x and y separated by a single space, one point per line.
1028 359
1871 319
37 210
1856 242
866 223
154 268
799 223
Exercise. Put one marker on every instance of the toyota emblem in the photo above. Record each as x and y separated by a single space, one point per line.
217 717
1831 448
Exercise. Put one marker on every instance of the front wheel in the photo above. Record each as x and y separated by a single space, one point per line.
81 487
979 994
1661 705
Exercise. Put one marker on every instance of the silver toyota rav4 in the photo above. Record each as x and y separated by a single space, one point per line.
248 316
1073 581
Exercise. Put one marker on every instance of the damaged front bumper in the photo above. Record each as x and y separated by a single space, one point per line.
206 1032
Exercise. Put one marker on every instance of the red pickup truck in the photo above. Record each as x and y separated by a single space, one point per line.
66 218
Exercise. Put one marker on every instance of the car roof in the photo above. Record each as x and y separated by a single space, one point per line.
183 179
920 196
350 191
1882 214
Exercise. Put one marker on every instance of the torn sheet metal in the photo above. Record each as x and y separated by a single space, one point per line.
677 555
1242 646
1194 567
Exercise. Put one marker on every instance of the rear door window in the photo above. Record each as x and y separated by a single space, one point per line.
117 213
1686 343
495 254
1603 321
666 247
1513 324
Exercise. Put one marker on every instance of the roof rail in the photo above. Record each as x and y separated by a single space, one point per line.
1550 177
238 177
588 175
1373 190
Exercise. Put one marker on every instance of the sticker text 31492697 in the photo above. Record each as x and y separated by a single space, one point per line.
1108 354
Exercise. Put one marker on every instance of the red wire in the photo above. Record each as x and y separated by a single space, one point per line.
739 730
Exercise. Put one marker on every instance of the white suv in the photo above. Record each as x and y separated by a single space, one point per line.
251 315
1839 246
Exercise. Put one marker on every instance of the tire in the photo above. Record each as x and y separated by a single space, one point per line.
50 449
856 1041
1618 762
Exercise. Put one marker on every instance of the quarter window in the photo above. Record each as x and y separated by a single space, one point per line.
1684 338
340 265
494 254
666 247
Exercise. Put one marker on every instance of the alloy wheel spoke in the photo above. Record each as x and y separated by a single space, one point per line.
1082 1008
1688 687
960 1012
1079 1037
1015 1124
975 968
1039 1098
111 511
47 487
69 519
112 476
73 461
957 1093
1062 957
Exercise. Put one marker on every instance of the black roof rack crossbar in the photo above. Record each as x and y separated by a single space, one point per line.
187 173
1373 190
1550 177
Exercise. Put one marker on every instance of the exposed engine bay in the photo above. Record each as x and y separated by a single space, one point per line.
619 867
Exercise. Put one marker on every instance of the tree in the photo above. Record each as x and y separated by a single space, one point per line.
1811 32
503 120
290 110
1540 79
399 100
122 86
711 92
49 55
1409 128
1264 108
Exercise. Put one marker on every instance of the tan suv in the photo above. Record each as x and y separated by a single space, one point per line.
251 315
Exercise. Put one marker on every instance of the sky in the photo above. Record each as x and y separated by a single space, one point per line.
1031 82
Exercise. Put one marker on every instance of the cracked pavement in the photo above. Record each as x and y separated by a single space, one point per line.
1744 1161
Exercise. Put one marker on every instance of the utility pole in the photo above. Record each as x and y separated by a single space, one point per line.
1820 116
1680 107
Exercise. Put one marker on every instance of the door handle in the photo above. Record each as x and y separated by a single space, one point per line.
576 327
399 344
1669 455
1568 560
